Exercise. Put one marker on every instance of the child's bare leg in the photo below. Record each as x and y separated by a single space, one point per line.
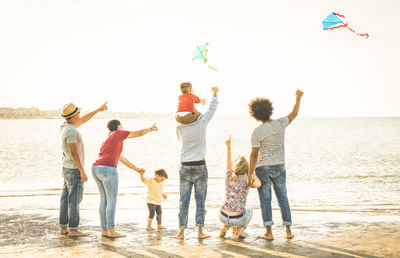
159 213
223 231
289 234
180 235
234 230
149 221
200 234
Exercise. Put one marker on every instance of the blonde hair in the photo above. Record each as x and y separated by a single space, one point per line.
185 86
241 166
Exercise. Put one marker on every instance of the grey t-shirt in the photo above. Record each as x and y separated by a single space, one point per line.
69 134
270 138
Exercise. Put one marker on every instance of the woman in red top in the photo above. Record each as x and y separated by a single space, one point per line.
105 173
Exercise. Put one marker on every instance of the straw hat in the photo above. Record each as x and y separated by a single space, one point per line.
69 110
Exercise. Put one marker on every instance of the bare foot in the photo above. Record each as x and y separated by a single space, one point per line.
222 234
241 232
64 231
203 236
234 237
76 233
114 234
160 227
243 235
150 229
289 235
266 236
180 236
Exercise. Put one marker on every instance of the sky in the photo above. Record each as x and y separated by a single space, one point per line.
134 54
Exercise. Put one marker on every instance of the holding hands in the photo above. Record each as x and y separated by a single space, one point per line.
164 196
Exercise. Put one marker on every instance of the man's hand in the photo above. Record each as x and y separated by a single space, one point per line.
84 177
228 142
103 107
164 196
299 94
141 171
215 90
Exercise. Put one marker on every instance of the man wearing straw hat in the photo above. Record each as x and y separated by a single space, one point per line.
73 170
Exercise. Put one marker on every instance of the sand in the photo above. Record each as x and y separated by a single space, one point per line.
36 235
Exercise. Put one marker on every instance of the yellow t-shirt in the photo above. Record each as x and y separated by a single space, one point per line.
154 191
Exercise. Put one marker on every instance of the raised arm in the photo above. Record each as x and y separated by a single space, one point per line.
296 107
129 164
229 155
253 162
213 105
73 149
142 132
88 116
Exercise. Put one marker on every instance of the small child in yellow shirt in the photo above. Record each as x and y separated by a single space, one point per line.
154 195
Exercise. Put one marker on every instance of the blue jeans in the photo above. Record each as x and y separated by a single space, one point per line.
237 222
71 197
275 175
107 181
189 176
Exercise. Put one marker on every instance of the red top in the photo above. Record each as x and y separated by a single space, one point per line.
186 102
111 149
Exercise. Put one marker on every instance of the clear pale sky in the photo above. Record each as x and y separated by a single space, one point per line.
135 53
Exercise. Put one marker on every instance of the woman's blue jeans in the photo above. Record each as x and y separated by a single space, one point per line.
107 181
273 175
237 222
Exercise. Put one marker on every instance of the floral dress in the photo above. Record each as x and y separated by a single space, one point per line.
235 193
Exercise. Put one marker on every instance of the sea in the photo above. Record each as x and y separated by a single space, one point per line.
337 168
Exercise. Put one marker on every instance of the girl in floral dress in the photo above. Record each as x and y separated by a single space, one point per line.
234 212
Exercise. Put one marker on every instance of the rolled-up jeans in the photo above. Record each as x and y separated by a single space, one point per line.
273 175
107 181
190 176
71 197
237 222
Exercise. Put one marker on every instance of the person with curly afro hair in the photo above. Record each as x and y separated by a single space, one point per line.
267 158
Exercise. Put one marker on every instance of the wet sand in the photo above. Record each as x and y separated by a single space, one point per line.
31 234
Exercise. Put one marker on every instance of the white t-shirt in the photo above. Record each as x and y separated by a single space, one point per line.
270 138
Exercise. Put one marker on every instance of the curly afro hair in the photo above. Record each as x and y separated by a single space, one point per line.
261 109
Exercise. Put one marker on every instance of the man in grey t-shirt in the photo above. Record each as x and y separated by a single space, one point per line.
268 159
73 168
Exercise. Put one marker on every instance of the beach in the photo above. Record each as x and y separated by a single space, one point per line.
36 235
343 185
